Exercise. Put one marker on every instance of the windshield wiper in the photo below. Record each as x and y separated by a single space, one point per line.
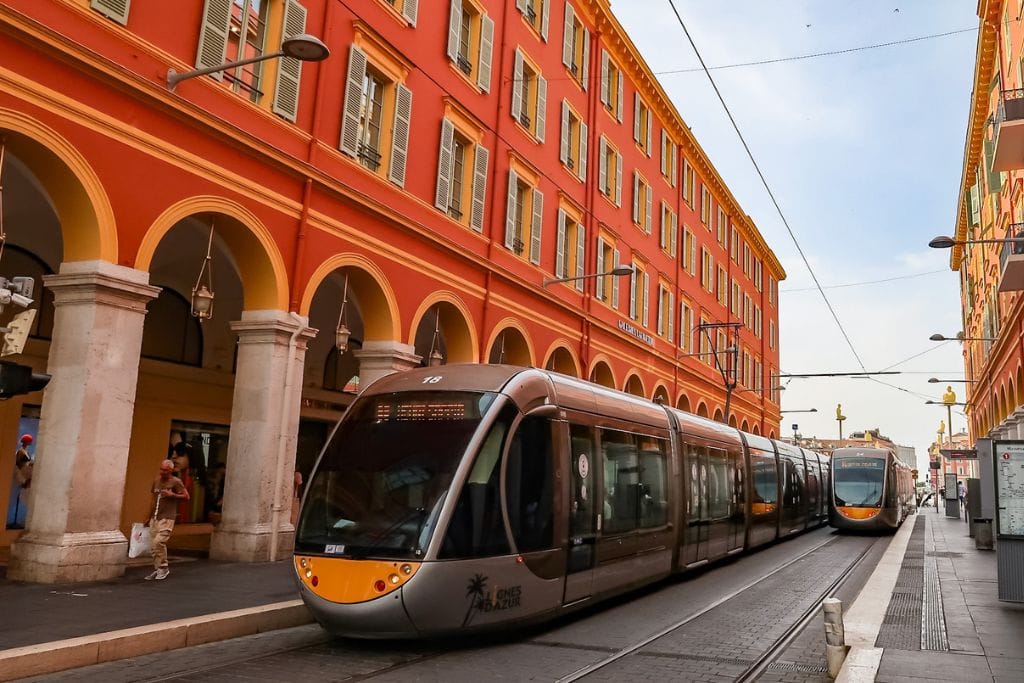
386 534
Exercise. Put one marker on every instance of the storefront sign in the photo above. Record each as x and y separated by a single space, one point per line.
639 334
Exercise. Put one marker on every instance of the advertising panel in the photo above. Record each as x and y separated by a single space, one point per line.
1009 474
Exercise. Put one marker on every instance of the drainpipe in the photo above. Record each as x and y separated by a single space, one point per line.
278 507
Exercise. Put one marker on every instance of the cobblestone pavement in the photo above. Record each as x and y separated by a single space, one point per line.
716 646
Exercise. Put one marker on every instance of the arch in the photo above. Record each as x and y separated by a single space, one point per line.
561 358
380 314
1011 398
719 416
511 340
683 403
457 322
732 421
601 372
745 426
257 259
771 434
633 384
88 226
1020 386
660 394
702 409
755 430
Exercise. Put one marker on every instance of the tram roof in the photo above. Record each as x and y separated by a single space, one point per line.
454 377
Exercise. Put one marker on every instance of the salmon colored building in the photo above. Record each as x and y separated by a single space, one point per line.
416 190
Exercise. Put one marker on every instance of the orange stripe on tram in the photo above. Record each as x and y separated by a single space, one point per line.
857 513
352 581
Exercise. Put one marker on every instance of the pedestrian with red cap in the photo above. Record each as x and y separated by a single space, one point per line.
23 462
167 490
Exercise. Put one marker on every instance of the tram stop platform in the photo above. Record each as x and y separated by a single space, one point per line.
930 612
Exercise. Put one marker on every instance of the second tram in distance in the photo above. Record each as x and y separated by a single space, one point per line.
473 497
872 490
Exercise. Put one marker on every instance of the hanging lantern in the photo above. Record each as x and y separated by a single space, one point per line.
435 358
342 333
202 293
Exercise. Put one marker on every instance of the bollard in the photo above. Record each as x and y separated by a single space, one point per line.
835 635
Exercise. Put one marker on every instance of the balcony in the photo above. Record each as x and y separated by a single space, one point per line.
1011 261
1008 153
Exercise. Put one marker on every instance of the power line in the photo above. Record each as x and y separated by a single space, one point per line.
917 355
764 182
866 282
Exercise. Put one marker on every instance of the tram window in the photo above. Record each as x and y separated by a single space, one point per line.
476 528
653 491
858 481
529 485
621 481
765 481
719 484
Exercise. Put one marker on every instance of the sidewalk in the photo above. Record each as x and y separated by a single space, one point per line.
942 620
48 628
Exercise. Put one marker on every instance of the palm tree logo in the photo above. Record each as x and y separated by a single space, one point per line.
475 592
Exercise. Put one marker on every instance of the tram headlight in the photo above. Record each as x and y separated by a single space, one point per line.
303 563
309 573
394 579
406 569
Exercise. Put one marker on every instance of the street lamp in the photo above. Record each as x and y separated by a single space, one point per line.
945 242
618 271
808 410
202 293
303 47
936 380
960 337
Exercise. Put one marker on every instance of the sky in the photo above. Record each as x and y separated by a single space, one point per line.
863 152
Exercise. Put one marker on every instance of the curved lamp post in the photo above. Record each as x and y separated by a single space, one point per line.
303 47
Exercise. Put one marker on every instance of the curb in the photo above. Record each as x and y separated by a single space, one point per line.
47 658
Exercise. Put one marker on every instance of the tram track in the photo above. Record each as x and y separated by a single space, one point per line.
768 656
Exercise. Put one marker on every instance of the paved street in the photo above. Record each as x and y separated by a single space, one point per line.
717 645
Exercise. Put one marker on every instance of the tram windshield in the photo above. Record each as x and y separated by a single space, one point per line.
381 483
858 481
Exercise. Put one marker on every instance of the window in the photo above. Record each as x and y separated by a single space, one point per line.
576 47
641 124
771 334
771 290
572 147
461 175
748 264
722 226
736 301
669 229
524 216
707 270
758 330
530 485
734 243
666 310
407 9
610 172
635 481
669 156
529 96
685 327
537 14
642 202
705 343
611 86
236 30
607 285
757 273
377 115
705 206
689 255
687 183
471 42
723 287
748 312
570 246
639 284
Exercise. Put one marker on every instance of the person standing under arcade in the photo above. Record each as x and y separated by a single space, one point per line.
167 490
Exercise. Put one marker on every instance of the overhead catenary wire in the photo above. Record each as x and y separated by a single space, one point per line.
767 188
865 282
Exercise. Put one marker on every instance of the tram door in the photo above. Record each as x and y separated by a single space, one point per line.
738 510
579 574
695 548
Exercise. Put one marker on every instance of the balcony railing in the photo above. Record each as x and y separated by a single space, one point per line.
465 65
1007 141
518 246
369 156
1011 260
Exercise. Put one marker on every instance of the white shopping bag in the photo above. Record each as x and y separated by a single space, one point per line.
139 543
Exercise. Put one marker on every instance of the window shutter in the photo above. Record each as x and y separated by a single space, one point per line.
583 152
444 165
542 106
476 216
602 166
570 22
400 135
213 36
647 138
353 101
289 73
483 78
618 104
521 5
636 197
517 79
650 204
618 179
454 29
636 117
510 212
674 237
663 231
644 294
581 254
113 9
632 294
663 315
605 79
560 245
563 142
664 153
537 226
585 81
545 18
615 280
409 10
674 162
600 268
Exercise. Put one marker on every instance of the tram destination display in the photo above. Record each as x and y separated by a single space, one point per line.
1009 472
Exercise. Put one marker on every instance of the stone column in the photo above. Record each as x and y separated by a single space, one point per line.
1018 427
381 358
72 531
264 432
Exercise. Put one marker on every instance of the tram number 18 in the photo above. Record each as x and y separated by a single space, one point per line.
433 379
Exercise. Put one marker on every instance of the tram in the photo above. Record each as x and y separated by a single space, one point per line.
468 498
872 490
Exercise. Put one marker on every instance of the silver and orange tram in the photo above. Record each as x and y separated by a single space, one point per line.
872 490
474 497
